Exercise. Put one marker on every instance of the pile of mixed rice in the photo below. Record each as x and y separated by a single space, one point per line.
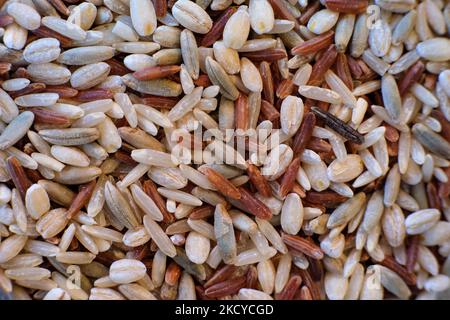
224 149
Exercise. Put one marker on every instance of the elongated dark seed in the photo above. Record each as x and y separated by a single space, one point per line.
339 126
